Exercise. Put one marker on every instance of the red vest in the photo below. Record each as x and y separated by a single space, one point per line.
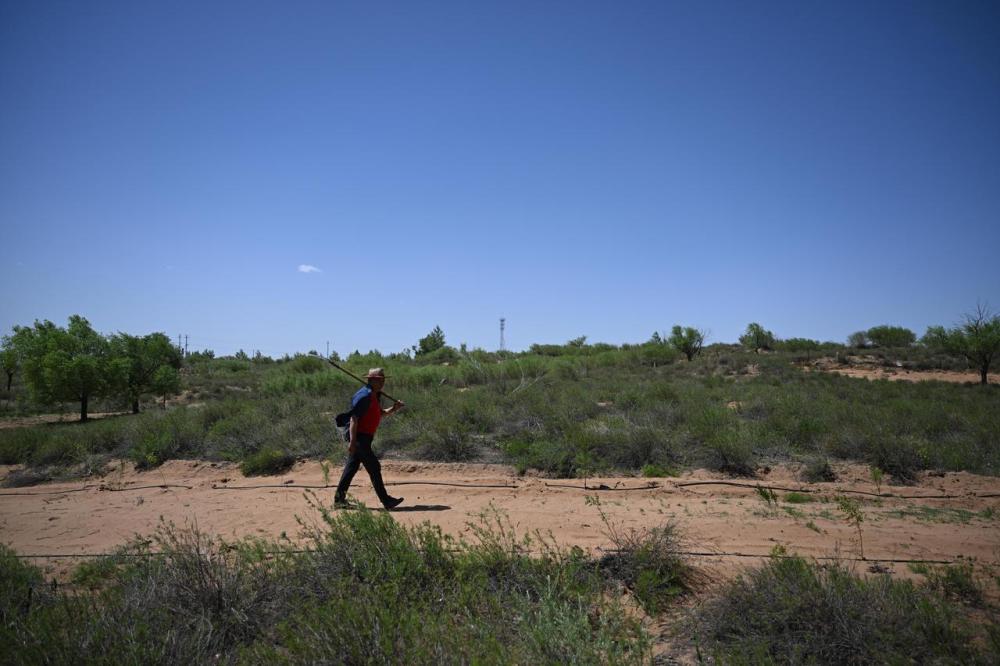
368 424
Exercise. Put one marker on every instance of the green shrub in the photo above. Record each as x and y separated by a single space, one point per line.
17 445
19 583
307 365
957 582
267 462
153 450
649 563
794 611
555 458
656 471
731 454
96 573
901 457
818 470
59 448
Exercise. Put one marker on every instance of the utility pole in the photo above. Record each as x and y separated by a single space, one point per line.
185 345
328 349
178 342
503 324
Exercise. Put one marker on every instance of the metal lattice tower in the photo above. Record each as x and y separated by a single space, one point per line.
503 324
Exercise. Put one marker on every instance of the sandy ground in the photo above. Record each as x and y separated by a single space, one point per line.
96 515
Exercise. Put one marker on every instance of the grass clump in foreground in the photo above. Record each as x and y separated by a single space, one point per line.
649 563
368 591
267 462
792 611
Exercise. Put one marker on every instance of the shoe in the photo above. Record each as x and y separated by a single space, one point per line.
340 503
392 503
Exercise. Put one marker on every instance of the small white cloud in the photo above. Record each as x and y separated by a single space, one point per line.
306 268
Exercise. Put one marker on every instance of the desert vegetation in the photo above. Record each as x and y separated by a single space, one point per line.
361 588
562 410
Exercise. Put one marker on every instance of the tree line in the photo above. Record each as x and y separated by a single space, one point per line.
78 364
976 338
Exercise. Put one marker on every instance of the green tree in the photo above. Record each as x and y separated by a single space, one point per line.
858 339
891 336
977 339
166 381
431 342
144 356
798 345
9 360
757 338
687 340
655 339
73 363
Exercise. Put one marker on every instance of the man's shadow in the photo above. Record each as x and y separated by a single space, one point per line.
419 507
402 509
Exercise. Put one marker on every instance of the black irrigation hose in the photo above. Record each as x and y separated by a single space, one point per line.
446 483
388 483
162 485
601 487
832 492
53 492
814 557
101 489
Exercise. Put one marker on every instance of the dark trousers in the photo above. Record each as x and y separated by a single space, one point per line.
363 456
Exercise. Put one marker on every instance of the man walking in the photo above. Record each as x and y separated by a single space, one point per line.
366 414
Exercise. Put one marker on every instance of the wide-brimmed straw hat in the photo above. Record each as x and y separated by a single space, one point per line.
375 372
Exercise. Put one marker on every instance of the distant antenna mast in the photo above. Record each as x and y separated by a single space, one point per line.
503 324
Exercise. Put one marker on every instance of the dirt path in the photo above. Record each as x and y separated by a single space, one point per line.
81 517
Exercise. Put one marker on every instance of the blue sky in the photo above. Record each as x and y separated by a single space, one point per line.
580 168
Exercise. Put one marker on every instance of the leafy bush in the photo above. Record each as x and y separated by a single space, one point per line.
19 583
307 365
901 457
731 454
794 611
60 448
891 336
552 457
648 562
818 470
957 582
161 437
18 444
656 471
267 462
